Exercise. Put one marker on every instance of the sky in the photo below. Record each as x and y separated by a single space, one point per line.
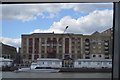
82 18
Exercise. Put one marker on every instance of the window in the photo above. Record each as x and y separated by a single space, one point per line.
57 63
105 63
78 38
99 51
60 42
100 56
49 63
73 38
106 57
43 47
42 56
99 43
78 51
30 56
60 51
94 51
60 56
60 47
93 40
60 38
78 42
99 47
73 42
110 62
72 51
99 40
106 43
36 56
94 55
73 56
94 47
72 46
43 51
89 63
79 62
42 39
98 63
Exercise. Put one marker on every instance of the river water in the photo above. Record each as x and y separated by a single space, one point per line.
55 75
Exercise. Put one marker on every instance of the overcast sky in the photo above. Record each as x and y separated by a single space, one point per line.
82 18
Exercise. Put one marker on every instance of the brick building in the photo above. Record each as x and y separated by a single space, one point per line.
98 45
76 46
7 51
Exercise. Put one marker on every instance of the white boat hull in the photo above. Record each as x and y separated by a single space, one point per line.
36 70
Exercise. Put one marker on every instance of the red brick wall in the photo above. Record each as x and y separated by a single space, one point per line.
66 45
36 45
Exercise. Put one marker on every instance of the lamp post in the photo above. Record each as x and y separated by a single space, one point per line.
65 29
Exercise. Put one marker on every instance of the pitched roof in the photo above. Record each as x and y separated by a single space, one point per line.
96 33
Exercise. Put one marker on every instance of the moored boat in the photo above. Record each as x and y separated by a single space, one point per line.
35 68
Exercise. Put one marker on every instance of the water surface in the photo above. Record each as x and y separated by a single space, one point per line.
54 75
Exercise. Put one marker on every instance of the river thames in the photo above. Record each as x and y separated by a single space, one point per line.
55 75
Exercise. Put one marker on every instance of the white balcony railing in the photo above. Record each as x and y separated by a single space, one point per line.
106 51
87 51
86 43
86 47
87 55
106 47
106 44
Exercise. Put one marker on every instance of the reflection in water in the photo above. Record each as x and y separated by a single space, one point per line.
55 75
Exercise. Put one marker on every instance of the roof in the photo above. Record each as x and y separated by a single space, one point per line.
96 33
2 59
48 59
93 60
52 59
51 34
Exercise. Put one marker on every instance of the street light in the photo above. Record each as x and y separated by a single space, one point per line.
65 29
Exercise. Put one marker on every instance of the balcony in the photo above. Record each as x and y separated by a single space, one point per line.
106 56
87 52
87 55
87 43
106 47
59 44
54 44
48 45
106 51
86 47
106 44
43 45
